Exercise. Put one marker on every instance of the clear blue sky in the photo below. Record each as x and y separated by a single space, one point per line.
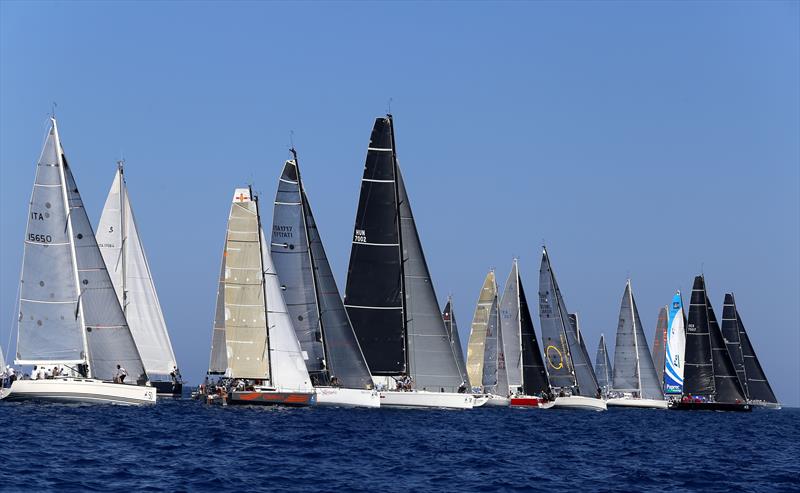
643 139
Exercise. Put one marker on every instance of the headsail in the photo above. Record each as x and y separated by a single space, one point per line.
449 317
751 375
479 332
123 252
602 365
633 365
312 297
584 372
676 347
660 343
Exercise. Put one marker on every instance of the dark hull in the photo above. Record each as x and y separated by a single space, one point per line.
168 389
709 406
293 399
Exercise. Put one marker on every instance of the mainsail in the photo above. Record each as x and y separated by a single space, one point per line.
123 252
676 347
449 317
525 367
726 382
660 343
748 368
477 346
312 297
68 310
389 294
633 365
602 366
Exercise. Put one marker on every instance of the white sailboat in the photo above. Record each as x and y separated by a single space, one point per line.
485 352
635 382
254 350
334 361
123 252
389 294
69 316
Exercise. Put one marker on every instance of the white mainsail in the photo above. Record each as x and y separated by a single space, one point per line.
123 252
68 311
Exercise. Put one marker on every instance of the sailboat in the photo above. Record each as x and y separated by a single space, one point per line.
335 362
389 293
485 353
69 317
123 252
675 349
710 380
602 366
254 350
527 376
571 376
660 344
635 382
449 317
754 382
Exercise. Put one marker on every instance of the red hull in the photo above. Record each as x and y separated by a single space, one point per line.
294 399
526 401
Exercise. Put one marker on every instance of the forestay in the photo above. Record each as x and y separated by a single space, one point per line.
309 288
123 253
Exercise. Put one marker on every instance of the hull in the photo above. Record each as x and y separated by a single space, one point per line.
80 390
424 399
641 403
530 402
765 405
341 397
168 389
710 406
271 398
493 400
580 402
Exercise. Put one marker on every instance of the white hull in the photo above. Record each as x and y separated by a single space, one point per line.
493 400
82 390
341 397
579 402
634 402
422 398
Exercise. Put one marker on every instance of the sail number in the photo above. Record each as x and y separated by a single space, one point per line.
360 236
40 238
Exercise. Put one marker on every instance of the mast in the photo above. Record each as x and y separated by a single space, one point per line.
73 253
263 284
403 294
123 235
311 258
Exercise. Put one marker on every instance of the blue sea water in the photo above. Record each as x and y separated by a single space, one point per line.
184 445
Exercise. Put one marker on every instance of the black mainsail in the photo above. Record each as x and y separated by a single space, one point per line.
751 376
534 375
312 297
389 294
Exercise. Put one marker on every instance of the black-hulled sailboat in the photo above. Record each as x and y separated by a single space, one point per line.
334 361
602 366
389 293
449 317
527 376
754 382
709 380
571 376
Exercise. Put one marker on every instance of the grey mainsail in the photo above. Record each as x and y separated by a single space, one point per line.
389 294
633 365
69 312
660 343
312 297
511 328
449 317
553 320
602 364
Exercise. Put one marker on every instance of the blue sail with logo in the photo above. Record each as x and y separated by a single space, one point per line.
675 347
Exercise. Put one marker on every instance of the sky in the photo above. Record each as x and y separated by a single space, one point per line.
646 140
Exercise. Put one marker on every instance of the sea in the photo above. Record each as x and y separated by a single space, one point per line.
186 445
